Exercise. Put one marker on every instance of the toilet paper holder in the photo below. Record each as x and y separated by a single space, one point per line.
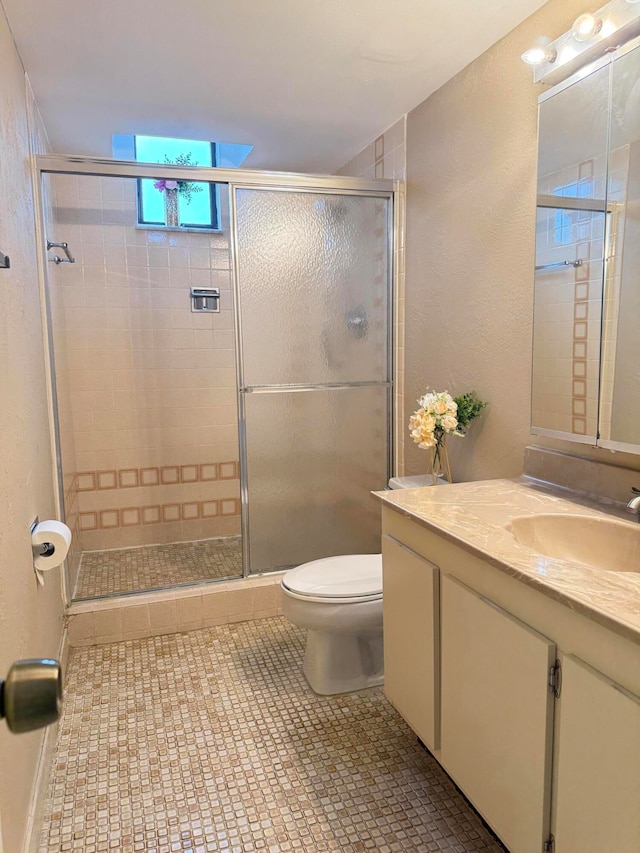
45 549
50 543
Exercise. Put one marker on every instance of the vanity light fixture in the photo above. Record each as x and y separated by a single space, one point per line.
585 27
539 55
591 37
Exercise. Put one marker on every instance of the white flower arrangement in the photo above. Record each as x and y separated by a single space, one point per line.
441 415
436 417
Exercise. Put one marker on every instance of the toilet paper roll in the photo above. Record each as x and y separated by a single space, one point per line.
58 536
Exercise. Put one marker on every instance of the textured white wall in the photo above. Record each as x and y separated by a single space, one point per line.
30 616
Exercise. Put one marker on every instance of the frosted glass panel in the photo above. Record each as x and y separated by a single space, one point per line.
312 459
313 287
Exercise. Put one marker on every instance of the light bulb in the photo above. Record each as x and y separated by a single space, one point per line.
539 55
585 27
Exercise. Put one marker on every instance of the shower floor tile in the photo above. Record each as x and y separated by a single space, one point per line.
212 741
155 566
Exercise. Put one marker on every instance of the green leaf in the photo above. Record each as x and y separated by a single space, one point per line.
469 408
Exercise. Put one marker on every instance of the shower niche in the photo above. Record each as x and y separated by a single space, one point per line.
205 445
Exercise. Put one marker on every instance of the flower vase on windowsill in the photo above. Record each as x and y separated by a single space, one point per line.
173 189
171 207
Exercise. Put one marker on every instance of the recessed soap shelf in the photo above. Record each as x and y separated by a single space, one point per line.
205 300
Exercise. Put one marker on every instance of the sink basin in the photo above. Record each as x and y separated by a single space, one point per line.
602 543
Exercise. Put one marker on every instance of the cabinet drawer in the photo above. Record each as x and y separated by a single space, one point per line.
412 638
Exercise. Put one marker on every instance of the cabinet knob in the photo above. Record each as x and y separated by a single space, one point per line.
31 695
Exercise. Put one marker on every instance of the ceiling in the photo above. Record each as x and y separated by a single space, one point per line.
309 83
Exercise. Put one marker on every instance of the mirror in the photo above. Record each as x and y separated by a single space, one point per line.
620 396
586 346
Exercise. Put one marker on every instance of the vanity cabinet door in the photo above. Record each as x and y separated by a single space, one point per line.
411 638
497 715
597 790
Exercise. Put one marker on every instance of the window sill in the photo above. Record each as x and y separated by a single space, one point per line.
179 229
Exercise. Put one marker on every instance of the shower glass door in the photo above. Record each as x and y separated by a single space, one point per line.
145 387
312 282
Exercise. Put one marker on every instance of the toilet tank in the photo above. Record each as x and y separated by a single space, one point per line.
418 481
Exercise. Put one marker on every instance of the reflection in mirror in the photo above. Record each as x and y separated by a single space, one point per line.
572 223
620 397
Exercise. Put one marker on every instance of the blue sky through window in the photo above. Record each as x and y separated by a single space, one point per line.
571 225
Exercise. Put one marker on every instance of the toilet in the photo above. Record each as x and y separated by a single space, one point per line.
339 601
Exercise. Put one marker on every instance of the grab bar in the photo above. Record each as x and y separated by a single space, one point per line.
65 248
577 263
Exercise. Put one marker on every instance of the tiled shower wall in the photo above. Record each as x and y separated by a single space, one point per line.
386 157
569 301
146 388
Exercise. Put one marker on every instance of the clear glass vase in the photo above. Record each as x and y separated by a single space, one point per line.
438 467
171 208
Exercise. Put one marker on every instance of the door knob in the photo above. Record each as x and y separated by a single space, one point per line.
31 695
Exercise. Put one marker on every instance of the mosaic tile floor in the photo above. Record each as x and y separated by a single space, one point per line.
154 566
212 741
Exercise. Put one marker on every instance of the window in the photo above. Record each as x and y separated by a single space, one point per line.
571 224
197 200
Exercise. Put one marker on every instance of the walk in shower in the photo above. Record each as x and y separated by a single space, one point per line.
222 394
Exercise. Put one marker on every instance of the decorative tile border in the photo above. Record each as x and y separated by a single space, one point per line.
165 475
128 478
149 476
580 331
88 520
70 494
86 481
134 516
169 475
107 479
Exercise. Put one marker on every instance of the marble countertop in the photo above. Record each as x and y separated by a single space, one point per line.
474 516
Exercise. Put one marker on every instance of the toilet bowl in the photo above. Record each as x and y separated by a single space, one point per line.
339 601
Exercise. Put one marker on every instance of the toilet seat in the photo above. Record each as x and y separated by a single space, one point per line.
345 579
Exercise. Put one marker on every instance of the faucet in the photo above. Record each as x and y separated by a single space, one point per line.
634 504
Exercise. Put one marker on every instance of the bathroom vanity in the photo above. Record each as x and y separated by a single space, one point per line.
518 669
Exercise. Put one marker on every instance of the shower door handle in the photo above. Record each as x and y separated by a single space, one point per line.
322 386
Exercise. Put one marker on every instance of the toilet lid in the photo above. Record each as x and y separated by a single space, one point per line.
350 576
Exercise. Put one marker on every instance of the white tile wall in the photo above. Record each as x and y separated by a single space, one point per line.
150 384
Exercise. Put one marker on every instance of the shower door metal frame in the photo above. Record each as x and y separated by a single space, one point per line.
243 389
57 164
